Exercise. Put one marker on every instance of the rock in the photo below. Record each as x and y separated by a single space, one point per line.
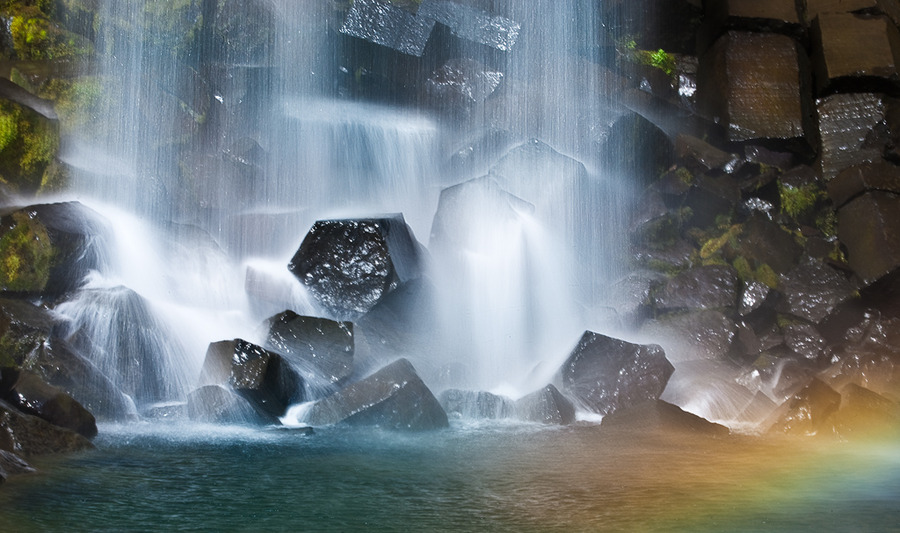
755 86
403 322
654 416
774 14
641 150
765 244
48 249
703 287
472 24
349 265
815 7
30 395
476 405
848 50
854 181
388 25
702 155
24 330
709 196
547 406
461 83
28 435
30 140
812 290
805 341
864 412
704 334
393 398
846 121
709 389
12 464
760 408
261 377
116 329
869 226
807 413
321 349
219 405
753 295
604 374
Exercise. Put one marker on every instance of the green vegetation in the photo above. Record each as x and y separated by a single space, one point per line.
714 245
35 37
652 58
28 143
797 202
26 254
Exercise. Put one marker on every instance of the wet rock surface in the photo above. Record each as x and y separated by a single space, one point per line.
317 346
547 406
476 404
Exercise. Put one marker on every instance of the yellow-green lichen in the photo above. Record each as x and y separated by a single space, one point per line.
26 254
798 201
35 37
714 245
28 142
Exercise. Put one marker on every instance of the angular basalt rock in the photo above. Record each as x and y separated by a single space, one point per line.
868 177
846 46
703 287
547 406
703 334
388 25
808 412
472 24
403 322
394 397
755 85
48 249
30 395
805 341
604 374
763 242
220 405
28 435
815 7
705 156
460 83
262 377
865 412
812 290
642 150
349 265
846 121
869 227
476 404
320 346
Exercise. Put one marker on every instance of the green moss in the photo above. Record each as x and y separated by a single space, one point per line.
796 202
684 175
35 37
9 128
766 275
26 254
826 222
714 245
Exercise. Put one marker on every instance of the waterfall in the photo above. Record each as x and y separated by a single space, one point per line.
230 127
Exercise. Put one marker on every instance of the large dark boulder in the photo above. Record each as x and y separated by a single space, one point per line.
476 404
850 50
809 412
847 123
262 377
473 24
700 334
869 226
31 395
639 150
394 397
604 374
220 405
812 290
703 287
547 406
388 25
48 249
350 265
321 349
29 435
657 416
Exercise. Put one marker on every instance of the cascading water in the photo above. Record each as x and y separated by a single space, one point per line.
221 153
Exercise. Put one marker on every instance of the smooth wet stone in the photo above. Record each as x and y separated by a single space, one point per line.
867 177
220 405
654 416
845 123
476 404
472 24
31 395
702 334
703 287
28 435
869 226
547 406
394 397
388 25
809 412
350 265
812 290
638 149
50 248
604 374
262 377
319 346
846 46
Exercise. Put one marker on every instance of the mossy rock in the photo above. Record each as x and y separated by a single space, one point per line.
79 102
34 36
26 254
29 141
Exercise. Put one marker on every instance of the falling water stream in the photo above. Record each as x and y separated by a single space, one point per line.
277 139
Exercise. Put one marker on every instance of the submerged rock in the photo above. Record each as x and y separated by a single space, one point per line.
350 265
319 346
261 377
604 374
394 397
547 406
659 416
217 404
